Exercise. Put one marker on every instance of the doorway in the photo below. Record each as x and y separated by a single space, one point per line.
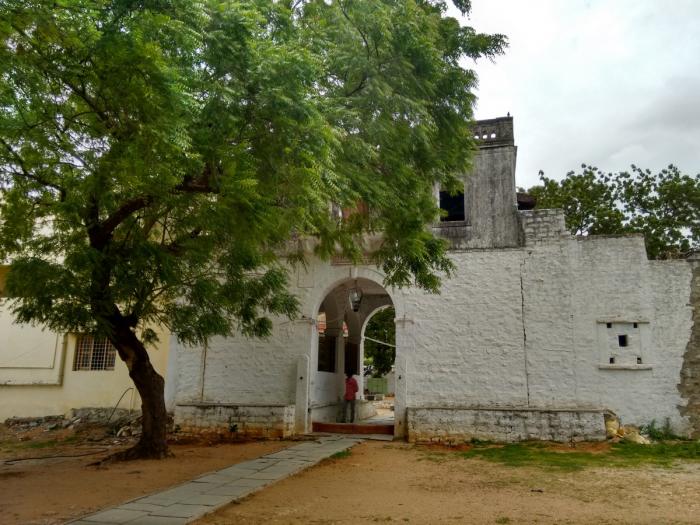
341 323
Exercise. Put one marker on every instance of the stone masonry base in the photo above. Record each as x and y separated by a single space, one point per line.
250 421
460 425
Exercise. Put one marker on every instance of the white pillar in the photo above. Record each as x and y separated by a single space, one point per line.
404 348
301 410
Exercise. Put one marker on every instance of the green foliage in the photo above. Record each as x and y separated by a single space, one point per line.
664 433
382 328
540 455
156 157
343 454
665 206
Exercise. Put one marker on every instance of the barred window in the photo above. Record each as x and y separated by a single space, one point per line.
94 353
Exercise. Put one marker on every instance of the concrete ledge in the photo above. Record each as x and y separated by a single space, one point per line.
625 367
452 425
234 405
236 420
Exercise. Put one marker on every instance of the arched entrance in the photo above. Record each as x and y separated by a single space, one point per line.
378 351
337 349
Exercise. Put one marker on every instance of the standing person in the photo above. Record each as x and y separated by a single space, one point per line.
351 389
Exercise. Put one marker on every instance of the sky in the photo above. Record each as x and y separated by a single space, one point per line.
608 83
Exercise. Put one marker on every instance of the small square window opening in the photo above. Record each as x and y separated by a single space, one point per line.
622 340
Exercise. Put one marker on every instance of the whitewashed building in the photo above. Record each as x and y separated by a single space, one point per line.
537 335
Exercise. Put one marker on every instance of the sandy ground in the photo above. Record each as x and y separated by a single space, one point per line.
395 482
53 491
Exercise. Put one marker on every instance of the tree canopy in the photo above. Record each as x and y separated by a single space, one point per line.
381 327
663 206
157 156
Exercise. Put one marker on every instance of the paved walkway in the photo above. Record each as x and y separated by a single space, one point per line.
189 501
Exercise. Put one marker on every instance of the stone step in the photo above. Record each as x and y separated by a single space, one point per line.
352 428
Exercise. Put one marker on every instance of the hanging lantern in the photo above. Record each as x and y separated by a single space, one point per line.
355 297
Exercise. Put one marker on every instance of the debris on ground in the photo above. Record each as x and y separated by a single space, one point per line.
615 431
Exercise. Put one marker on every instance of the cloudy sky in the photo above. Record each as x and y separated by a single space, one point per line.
606 82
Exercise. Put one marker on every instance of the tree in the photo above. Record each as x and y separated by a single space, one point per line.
664 207
381 327
157 156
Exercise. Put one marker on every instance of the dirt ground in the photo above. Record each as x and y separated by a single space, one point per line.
377 482
399 483
51 491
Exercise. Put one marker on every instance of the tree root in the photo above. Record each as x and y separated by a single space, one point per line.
138 451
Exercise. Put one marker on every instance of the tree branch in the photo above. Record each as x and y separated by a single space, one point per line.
124 211
31 176
175 247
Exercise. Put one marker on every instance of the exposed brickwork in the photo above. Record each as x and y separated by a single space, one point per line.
689 386
460 425
235 420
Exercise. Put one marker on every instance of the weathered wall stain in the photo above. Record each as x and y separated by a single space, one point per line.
689 386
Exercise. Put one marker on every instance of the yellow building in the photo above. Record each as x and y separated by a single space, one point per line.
44 373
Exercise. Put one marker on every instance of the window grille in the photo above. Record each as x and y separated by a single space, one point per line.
94 353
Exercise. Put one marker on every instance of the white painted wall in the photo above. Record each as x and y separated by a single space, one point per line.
512 328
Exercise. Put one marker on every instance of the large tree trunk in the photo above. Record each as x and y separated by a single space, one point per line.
150 385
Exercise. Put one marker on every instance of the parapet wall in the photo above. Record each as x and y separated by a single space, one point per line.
505 425
542 226
250 421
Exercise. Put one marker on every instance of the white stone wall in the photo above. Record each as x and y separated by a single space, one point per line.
467 346
542 225
266 421
455 425
514 328
616 283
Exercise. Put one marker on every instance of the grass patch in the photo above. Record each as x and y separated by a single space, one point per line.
10 446
663 433
341 455
620 455
39 444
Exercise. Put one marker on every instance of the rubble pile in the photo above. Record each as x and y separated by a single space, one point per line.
617 432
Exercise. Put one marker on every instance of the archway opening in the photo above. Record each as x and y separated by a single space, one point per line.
379 352
338 350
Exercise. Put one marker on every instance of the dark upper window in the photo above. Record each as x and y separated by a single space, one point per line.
453 205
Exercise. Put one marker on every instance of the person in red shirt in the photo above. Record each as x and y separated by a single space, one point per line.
351 389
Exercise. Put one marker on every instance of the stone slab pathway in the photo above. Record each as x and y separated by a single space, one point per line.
189 501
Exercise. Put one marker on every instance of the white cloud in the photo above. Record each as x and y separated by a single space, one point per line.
605 82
